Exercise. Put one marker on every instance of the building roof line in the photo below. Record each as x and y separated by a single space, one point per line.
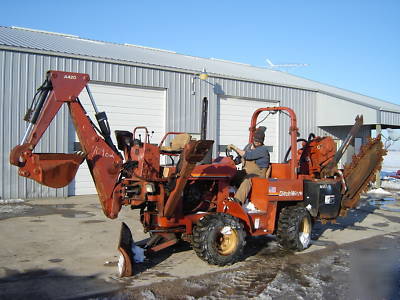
248 74
51 43
44 31
149 48
187 71
146 65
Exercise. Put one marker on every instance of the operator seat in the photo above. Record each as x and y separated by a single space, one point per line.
177 144
269 171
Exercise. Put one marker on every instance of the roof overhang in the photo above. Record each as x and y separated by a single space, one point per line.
338 111
56 44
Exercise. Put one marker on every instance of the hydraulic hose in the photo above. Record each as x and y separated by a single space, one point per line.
290 148
43 92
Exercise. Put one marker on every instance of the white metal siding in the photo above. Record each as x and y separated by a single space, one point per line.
126 108
332 111
25 56
234 121
24 72
390 118
20 75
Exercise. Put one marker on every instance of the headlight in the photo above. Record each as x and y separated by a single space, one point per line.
150 188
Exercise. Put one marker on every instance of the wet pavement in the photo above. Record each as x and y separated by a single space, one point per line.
387 203
369 269
21 209
65 249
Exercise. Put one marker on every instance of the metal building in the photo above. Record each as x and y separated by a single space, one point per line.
139 86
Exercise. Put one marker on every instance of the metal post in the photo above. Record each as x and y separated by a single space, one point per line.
378 174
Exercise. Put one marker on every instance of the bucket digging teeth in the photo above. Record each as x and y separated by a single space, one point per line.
126 258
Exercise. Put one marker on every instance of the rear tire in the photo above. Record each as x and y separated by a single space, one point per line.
219 239
294 228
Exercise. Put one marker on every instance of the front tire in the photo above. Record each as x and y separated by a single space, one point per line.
294 228
219 239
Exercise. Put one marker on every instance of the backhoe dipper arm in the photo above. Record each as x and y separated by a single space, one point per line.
58 169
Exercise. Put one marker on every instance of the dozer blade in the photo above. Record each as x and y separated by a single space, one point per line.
55 170
361 171
193 153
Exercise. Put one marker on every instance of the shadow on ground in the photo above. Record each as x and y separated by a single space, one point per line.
353 217
153 259
52 284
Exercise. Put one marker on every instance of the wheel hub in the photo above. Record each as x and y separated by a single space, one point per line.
227 240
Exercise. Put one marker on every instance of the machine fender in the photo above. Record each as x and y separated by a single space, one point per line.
236 210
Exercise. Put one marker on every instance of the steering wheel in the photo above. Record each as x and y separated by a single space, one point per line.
228 153
237 160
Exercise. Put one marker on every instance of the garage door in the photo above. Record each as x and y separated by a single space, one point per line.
126 108
234 121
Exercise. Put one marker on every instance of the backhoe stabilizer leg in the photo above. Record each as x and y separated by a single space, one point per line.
126 258
130 253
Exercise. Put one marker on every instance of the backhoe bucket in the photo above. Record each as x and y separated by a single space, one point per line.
55 170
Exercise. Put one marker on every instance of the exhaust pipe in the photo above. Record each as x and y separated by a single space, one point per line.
204 114
203 133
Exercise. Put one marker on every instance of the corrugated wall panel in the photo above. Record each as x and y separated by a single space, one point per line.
302 102
341 132
21 74
390 118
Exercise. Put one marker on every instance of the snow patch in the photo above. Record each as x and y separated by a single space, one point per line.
14 209
138 254
379 192
392 184
148 294
11 201
250 207
226 230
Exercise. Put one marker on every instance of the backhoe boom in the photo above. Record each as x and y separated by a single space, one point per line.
58 169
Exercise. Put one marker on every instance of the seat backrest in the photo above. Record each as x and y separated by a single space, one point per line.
269 171
179 141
